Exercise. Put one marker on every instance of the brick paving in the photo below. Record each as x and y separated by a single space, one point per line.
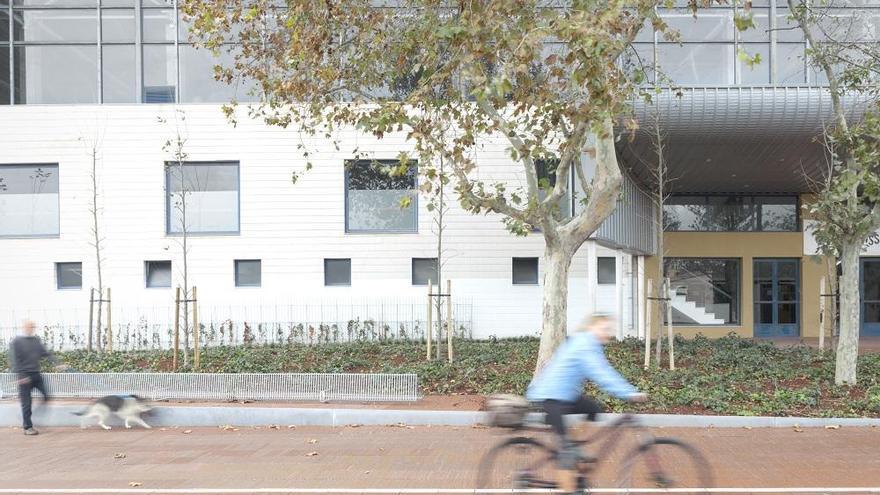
392 457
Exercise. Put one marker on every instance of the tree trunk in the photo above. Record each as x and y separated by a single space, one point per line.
557 263
848 343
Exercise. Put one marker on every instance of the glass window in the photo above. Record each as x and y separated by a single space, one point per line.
157 274
117 26
606 270
119 74
424 270
787 29
4 25
376 191
158 25
207 193
704 291
790 64
546 172
761 31
337 271
697 64
4 75
54 3
117 3
731 213
708 25
29 200
61 25
525 271
68 275
160 74
248 273
758 74
56 74
197 83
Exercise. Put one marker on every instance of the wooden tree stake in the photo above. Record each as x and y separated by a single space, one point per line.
449 318
648 311
430 329
196 329
176 328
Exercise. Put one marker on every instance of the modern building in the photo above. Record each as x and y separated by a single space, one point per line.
111 81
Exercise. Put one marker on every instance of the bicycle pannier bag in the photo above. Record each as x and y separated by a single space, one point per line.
507 410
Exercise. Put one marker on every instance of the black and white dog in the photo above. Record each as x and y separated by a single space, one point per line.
126 407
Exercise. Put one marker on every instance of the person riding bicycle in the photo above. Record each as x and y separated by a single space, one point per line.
559 387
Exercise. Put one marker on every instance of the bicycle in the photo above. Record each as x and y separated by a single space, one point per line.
522 462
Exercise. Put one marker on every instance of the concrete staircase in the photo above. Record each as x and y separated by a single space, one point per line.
690 310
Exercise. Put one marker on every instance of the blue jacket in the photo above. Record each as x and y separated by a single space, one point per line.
579 359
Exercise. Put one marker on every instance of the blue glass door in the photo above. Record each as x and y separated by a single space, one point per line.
870 290
777 297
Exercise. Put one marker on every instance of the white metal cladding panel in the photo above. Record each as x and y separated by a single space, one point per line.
290 227
631 225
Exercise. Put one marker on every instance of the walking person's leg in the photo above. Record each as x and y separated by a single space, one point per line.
40 384
24 395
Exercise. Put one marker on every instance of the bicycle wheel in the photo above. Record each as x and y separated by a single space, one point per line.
518 463
665 463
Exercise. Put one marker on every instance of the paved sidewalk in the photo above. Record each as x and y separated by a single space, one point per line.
391 457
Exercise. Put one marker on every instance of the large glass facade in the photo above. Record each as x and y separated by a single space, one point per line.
107 51
141 50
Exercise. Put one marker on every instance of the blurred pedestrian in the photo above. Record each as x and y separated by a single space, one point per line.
25 353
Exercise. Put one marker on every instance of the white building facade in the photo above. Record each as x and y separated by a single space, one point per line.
330 248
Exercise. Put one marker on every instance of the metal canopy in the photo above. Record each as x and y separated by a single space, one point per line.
735 140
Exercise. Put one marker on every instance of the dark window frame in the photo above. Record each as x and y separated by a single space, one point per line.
705 201
327 283
413 272
414 205
599 279
147 264
238 283
521 259
168 206
738 321
54 235
58 266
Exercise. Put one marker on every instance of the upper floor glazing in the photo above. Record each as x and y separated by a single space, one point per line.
128 51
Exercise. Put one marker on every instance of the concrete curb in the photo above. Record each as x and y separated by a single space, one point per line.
61 415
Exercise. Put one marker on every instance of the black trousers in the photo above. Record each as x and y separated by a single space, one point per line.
24 393
556 411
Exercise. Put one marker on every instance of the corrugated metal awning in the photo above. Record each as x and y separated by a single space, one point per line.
739 140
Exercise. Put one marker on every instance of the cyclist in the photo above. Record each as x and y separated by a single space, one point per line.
559 387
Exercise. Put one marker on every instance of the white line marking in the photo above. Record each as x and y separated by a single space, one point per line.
425 491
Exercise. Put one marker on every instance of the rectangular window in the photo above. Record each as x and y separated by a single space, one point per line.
337 271
29 200
68 276
248 273
56 74
160 73
423 270
606 270
56 25
731 214
525 271
546 171
206 193
119 74
704 291
157 274
380 196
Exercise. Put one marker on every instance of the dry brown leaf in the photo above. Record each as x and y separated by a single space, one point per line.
119 455
134 484
274 427
354 426
479 427
311 454
798 429
291 427
313 441
228 428
747 427
366 472
187 432
832 427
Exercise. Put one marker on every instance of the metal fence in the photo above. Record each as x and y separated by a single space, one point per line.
374 387
312 324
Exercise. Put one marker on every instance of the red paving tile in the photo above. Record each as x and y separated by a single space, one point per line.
393 457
